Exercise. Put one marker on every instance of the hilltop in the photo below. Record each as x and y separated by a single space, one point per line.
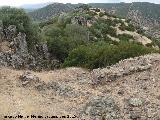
90 35
143 14
128 90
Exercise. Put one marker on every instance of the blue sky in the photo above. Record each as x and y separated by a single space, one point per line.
21 2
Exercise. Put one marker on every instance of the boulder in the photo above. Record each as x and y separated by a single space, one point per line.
19 44
27 78
135 102
10 32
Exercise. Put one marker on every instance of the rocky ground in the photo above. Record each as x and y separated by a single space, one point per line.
128 90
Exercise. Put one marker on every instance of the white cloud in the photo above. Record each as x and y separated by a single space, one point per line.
21 2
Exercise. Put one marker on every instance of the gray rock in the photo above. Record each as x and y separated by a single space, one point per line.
135 115
19 44
17 54
10 32
135 102
63 90
121 69
102 108
29 79
45 50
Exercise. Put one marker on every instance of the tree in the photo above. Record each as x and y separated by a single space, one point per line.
77 33
18 17
61 41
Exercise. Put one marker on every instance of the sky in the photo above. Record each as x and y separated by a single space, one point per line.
21 2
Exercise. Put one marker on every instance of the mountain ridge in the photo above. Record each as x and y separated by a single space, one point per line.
143 14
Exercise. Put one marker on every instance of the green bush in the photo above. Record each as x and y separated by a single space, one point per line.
64 19
125 37
130 27
102 54
103 27
91 13
23 23
62 40
97 10
85 7
101 14
76 32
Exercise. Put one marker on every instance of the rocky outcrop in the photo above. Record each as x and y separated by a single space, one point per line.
10 32
102 108
130 91
121 69
14 51
19 44
28 79
150 26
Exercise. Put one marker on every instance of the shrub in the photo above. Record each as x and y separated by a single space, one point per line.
76 32
97 10
125 37
91 13
85 7
156 42
150 44
18 17
64 19
102 54
101 14
128 20
130 27
62 41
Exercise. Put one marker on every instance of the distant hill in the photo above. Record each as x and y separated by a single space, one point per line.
143 14
146 15
50 11
150 10
35 6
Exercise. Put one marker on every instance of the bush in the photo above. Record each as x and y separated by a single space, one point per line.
130 27
125 37
18 17
76 32
91 13
103 27
102 54
97 10
64 19
62 41
85 7
101 14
